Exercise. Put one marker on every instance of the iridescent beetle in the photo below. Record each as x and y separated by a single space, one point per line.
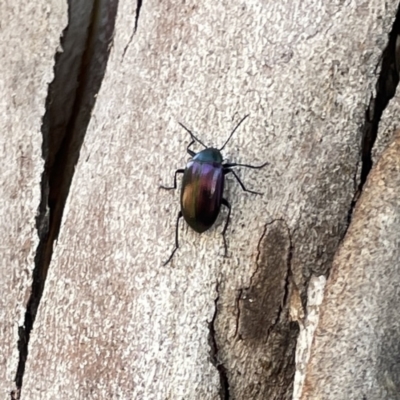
203 187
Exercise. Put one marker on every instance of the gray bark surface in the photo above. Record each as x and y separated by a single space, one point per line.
357 339
114 322
30 36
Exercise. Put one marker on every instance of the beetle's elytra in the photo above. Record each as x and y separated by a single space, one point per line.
203 187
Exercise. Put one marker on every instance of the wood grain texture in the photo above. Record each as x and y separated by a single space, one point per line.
115 323
30 35
356 347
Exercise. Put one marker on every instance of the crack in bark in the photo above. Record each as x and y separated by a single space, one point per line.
139 4
286 288
240 291
385 90
237 306
287 278
288 272
138 8
263 323
63 138
223 376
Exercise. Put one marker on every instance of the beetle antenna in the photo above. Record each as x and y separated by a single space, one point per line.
237 126
192 135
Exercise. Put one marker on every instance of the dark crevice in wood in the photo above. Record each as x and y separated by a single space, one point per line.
212 341
284 305
138 8
263 324
240 291
139 4
287 279
385 90
78 72
237 305
259 248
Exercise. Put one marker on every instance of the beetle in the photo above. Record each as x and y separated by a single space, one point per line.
203 187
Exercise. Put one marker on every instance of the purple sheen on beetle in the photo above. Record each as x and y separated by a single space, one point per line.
202 189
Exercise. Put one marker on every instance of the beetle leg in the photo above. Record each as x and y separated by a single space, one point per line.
178 171
176 238
191 152
226 204
227 171
229 165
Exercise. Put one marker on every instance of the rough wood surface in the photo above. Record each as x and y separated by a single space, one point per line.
357 340
113 322
30 36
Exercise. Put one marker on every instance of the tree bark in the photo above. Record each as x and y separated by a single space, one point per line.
98 314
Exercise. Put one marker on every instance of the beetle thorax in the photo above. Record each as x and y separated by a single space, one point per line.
209 155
